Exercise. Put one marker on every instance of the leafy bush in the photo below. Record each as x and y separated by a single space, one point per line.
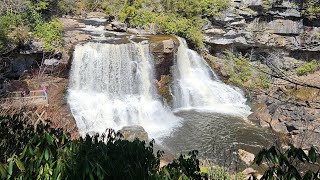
50 33
312 9
109 157
184 167
244 73
191 29
307 68
217 172
10 23
45 153
284 165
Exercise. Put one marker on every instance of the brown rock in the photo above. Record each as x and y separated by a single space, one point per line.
163 49
246 156
130 133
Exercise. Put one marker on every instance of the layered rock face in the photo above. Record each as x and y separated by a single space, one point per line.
280 36
163 49
247 24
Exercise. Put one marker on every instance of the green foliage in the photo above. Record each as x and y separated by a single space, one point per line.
50 33
245 74
11 23
217 172
35 18
109 157
312 9
45 153
266 4
308 68
184 27
284 165
14 138
185 167
238 68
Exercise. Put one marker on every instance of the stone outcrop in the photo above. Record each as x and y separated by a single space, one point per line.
163 49
246 156
282 36
131 133
282 26
117 26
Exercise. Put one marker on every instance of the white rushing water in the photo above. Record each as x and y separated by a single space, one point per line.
197 87
111 87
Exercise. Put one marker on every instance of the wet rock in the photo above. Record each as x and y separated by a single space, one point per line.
248 172
163 49
246 156
215 31
261 115
131 133
51 62
164 88
117 26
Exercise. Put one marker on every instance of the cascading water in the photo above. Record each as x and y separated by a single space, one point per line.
196 86
111 87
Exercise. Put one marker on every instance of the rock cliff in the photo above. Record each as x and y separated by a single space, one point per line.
281 37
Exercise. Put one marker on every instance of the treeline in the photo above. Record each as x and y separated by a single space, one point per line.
22 20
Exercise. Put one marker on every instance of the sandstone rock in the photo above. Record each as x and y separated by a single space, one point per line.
133 31
285 26
119 27
261 115
252 2
164 88
249 172
246 156
163 50
215 31
290 12
51 62
130 133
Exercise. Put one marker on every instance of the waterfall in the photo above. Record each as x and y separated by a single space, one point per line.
111 87
196 86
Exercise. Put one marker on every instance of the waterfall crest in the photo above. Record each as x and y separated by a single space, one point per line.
196 86
111 87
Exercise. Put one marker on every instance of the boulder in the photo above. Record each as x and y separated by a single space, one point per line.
119 27
246 156
248 173
51 62
131 133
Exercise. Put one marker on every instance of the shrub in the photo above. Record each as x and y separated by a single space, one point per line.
184 27
312 9
109 157
184 167
11 23
246 74
45 153
50 33
217 172
307 68
284 165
